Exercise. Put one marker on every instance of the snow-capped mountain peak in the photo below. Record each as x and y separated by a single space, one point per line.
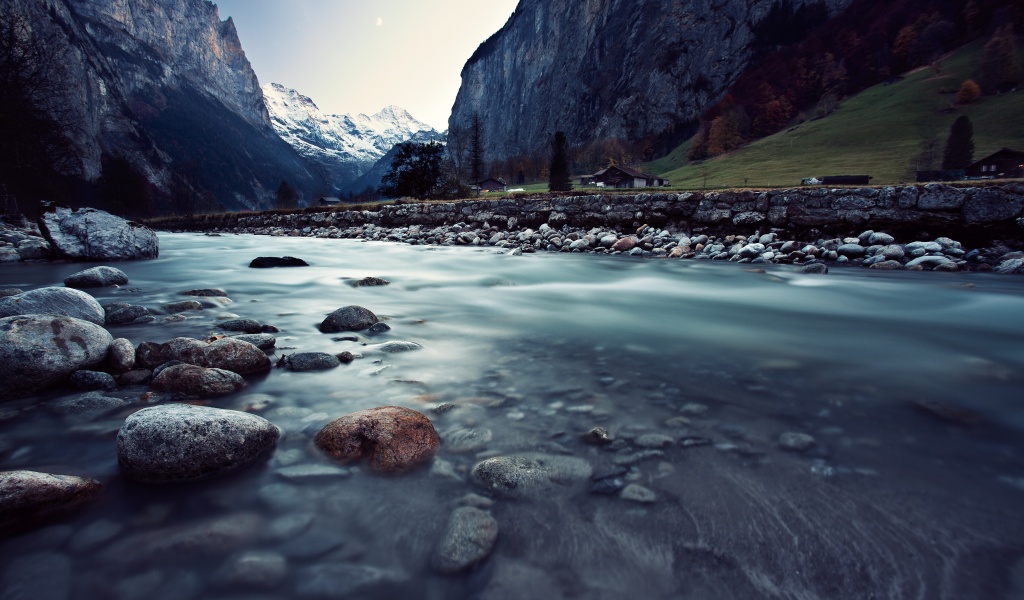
354 141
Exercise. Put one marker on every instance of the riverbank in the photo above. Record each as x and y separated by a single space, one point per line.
917 227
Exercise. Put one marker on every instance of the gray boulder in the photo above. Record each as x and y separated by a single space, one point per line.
34 248
97 277
126 314
54 301
93 380
29 499
263 341
311 361
348 318
121 358
181 442
39 351
532 475
468 539
90 234
236 355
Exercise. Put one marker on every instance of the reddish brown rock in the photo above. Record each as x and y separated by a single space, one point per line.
625 244
197 381
392 439
236 355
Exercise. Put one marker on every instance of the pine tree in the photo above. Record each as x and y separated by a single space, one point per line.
960 145
286 196
558 171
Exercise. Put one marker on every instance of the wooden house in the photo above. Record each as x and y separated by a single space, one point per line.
624 177
328 201
1002 164
490 185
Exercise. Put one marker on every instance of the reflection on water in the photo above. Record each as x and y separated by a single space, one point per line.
892 502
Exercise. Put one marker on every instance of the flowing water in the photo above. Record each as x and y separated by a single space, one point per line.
911 384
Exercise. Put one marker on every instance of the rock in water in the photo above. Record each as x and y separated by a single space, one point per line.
54 301
97 277
29 499
39 351
467 540
311 361
237 356
267 262
531 475
348 318
197 381
90 234
181 442
393 439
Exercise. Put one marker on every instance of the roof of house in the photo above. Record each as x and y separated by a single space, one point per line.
1008 151
628 171
483 181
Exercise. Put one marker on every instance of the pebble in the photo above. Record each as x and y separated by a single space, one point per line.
797 442
638 493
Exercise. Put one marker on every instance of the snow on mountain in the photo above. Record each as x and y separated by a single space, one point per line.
345 145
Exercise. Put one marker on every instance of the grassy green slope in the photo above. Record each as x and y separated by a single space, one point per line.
875 133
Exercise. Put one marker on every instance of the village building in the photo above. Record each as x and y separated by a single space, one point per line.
622 177
490 185
328 201
1002 164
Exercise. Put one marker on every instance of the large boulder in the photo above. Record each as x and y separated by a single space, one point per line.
468 539
348 318
392 439
96 277
532 475
29 499
54 301
90 234
230 354
39 351
181 442
197 381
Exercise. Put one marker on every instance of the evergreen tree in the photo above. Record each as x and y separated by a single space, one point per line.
960 145
286 197
558 170
420 171
1000 64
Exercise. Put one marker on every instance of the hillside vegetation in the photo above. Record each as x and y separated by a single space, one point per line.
877 132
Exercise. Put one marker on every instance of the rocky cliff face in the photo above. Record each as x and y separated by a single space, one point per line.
599 69
166 84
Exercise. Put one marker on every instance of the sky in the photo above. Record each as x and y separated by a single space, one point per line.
358 56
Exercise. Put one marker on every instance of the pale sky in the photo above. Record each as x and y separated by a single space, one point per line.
358 56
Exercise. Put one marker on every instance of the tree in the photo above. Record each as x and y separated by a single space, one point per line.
960 145
477 166
37 119
421 171
558 170
458 144
287 197
726 132
969 92
1000 64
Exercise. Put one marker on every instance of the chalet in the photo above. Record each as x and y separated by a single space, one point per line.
328 201
623 177
1003 164
490 185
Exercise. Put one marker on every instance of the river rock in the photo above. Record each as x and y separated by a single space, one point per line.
929 261
393 439
468 539
125 314
184 305
211 537
239 356
121 356
263 341
97 277
82 408
531 475
369 282
206 293
93 380
34 248
29 499
255 569
90 234
243 325
54 301
637 493
267 262
887 265
796 442
815 269
392 347
311 361
348 318
181 442
39 351
197 381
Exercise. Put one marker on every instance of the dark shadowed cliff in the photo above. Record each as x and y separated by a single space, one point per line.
601 69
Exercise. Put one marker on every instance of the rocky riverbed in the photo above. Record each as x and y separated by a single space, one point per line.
580 426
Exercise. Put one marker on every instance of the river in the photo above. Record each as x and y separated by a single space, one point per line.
909 382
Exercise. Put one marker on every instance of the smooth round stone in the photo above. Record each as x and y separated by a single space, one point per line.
392 347
181 442
121 356
206 293
370 282
38 351
887 265
796 442
93 380
393 439
468 538
467 439
879 238
268 262
197 381
124 315
97 277
311 361
184 305
531 475
348 318
54 301
243 325
263 341
815 269
29 499
637 493
238 356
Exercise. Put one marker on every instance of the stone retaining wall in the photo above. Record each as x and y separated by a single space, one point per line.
973 214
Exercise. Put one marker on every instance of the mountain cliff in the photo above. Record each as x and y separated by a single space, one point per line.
603 69
166 85
344 146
